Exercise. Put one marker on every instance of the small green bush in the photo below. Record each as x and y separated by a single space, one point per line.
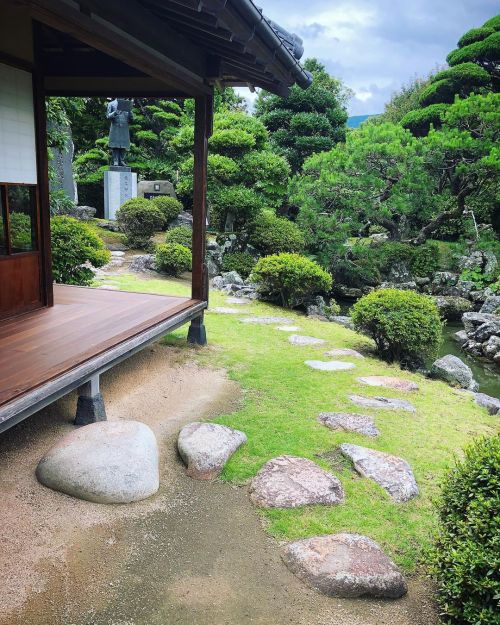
242 262
405 325
241 203
419 121
172 258
181 235
74 244
169 206
270 234
425 259
290 279
466 558
139 219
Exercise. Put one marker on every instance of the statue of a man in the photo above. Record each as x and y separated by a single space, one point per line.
120 114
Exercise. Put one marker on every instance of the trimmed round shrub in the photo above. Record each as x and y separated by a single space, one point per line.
425 259
237 201
290 279
241 262
270 234
172 258
169 206
466 557
181 235
139 219
73 245
405 325
419 121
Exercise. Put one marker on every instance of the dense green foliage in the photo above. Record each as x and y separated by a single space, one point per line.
270 234
73 245
169 206
172 258
290 279
466 559
306 122
181 234
139 219
241 262
403 101
405 325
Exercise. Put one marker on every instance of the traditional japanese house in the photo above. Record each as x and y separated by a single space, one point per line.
56 338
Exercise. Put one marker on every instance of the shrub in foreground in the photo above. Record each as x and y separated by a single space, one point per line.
169 206
466 558
270 234
290 279
405 325
172 258
73 245
181 235
139 219
241 262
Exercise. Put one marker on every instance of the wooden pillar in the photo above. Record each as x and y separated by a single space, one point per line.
199 289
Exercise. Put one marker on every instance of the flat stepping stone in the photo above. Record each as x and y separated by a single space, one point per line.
288 328
344 351
330 365
392 473
389 382
299 339
386 403
266 320
206 447
104 462
238 300
492 404
290 482
223 310
345 565
349 422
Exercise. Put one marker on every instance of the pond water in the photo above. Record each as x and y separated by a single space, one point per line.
486 375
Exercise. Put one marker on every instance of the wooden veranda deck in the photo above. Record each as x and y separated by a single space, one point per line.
46 353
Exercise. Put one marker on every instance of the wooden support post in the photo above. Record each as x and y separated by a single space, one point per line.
202 130
90 407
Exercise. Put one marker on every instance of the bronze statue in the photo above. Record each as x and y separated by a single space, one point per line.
120 114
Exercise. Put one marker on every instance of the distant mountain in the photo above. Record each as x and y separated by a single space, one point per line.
356 120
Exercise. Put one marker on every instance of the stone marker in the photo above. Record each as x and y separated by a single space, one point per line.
345 565
331 365
104 462
298 339
341 351
224 310
266 320
387 403
238 300
350 422
206 447
392 473
389 382
288 328
492 404
454 371
289 482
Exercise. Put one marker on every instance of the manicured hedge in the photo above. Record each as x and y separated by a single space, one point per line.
270 234
241 262
139 219
172 258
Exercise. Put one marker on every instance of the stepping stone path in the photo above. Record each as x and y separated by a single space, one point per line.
392 473
389 382
331 365
289 482
266 320
345 565
341 351
387 403
238 300
105 462
492 404
350 422
298 339
225 311
206 447
288 328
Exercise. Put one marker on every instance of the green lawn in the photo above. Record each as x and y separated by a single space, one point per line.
282 399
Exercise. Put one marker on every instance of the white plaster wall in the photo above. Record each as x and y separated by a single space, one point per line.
17 127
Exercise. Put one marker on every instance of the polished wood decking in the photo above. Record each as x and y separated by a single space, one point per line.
84 323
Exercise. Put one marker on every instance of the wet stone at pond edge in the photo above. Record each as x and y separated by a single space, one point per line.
393 474
389 382
298 339
349 422
331 365
289 482
345 565
206 447
104 462
386 403
341 351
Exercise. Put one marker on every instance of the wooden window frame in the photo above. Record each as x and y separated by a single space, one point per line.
4 192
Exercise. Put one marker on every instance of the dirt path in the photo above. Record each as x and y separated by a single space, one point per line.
195 553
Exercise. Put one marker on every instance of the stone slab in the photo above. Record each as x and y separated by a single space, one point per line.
331 365
389 382
119 186
349 422
492 404
288 328
299 339
223 310
238 300
344 351
266 320
386 403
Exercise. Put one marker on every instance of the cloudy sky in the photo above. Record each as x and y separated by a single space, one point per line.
376 45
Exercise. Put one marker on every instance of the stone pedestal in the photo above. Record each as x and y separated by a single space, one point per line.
120 184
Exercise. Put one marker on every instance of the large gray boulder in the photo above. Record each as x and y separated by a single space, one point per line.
349 422
492 404
452 308
484 331
454 371
206 447
473 320
143 262
290 482
386 403
491 304
393 474
345 565
105 462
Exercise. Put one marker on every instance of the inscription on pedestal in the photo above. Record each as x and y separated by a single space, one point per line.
120 184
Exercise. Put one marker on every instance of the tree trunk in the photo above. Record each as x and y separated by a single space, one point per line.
438 221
